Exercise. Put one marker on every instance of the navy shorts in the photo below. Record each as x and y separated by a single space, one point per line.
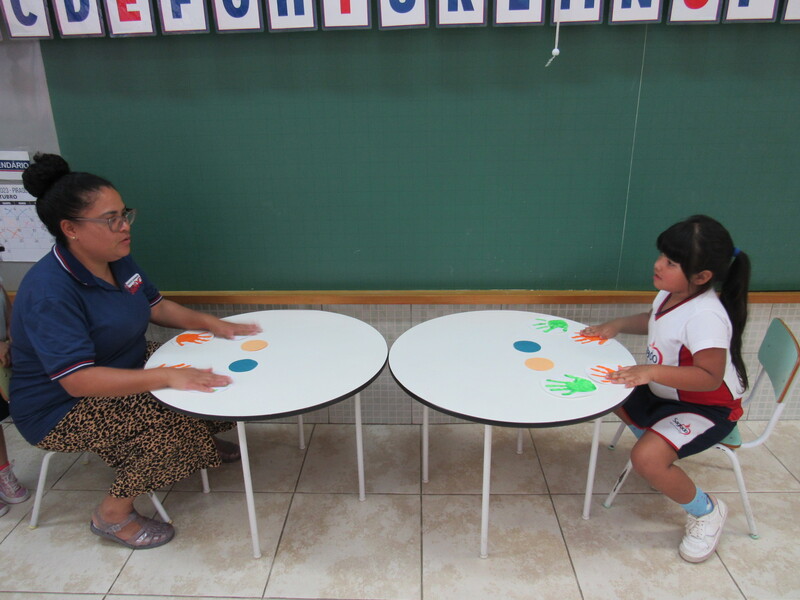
689 428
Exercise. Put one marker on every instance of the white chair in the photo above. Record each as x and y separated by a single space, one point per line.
779 355
37 501
5 378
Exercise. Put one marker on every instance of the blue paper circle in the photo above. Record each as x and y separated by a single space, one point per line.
527 346
241 366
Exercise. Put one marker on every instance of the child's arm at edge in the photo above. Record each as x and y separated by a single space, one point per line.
5 345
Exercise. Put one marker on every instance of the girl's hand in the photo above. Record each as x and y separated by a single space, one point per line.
633 376
199 380
606 330
228 330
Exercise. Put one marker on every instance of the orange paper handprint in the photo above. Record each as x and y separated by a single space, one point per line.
587 339
194 338
601 373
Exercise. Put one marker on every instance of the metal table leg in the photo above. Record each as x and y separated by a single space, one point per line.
248 488
487 478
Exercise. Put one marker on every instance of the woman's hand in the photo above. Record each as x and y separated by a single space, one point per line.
170 314
229 330
199 380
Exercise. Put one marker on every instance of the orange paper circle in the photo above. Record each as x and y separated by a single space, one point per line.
539 364
254 345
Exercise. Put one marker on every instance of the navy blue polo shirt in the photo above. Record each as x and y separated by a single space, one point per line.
65 319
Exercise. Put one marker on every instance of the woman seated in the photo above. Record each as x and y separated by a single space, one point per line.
78 330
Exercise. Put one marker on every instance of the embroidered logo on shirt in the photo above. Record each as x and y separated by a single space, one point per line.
134 283
654 356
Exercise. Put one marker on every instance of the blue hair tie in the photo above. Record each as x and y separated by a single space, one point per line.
736 252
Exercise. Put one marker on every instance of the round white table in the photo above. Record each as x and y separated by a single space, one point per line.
302 360
509 368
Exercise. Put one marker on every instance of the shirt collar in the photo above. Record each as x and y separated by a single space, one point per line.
73 266
76 269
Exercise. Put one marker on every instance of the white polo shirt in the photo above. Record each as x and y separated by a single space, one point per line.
675 335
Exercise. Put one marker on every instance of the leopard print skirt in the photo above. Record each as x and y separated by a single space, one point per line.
149 445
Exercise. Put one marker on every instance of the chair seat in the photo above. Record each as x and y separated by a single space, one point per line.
733 439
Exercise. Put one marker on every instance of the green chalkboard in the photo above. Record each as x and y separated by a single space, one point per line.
438 158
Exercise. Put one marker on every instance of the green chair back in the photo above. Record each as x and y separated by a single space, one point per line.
779 354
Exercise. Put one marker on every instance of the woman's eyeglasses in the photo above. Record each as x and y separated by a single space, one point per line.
114 223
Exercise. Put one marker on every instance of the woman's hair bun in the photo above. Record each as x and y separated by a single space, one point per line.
43 172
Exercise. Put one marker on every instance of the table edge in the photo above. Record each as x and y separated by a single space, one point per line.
282 415
536 425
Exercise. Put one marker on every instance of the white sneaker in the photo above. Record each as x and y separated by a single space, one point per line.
703 533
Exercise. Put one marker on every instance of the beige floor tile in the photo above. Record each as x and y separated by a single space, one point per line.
211 554
456 461
766 568
712 471
62 555
17 514
335 546
564 452
630 552
275 460
59 596
783 443
158 597
527 556
27 459
403 545
87 472
391 460
565 458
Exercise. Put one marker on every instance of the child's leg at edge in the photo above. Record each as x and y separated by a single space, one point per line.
3 451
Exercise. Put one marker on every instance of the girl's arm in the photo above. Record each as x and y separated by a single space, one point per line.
631 324
705 375
171 314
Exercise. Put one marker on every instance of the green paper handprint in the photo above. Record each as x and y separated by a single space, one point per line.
578 385
548 326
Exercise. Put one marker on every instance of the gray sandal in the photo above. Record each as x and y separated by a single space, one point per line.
228 451
151 533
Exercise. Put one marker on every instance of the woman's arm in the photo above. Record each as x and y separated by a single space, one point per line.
171 314
108 381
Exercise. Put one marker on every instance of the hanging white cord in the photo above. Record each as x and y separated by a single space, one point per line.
556 51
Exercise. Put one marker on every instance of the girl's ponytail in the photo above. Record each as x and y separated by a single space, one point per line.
733 295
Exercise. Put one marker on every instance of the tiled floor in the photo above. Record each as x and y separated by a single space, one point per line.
409 540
